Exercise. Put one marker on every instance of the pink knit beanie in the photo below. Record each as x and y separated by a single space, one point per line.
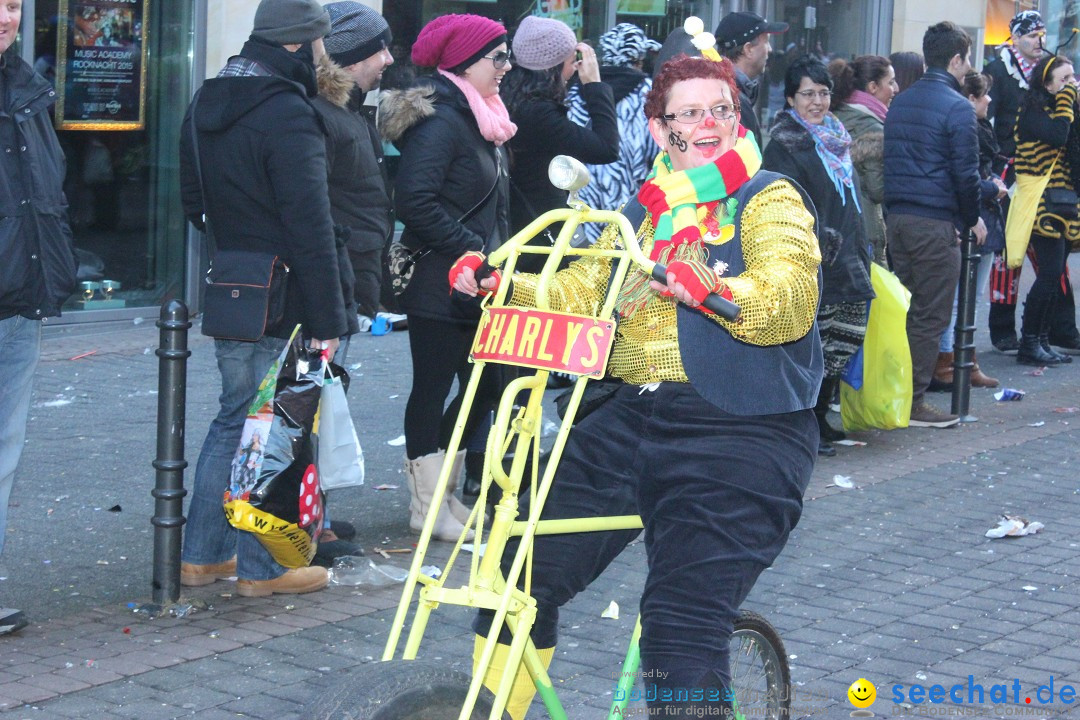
542 43
452 40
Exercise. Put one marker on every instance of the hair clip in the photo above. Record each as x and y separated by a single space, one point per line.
705 42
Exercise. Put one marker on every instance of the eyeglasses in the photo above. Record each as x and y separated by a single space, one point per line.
811 94
499 59
693 116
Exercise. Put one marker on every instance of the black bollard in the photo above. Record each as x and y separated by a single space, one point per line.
170 464
964 340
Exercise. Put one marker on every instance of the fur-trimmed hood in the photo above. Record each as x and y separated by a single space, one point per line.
335 84
787 131
399 110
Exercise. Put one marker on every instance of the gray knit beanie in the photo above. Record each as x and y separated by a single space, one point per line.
356 32
290 22
542 43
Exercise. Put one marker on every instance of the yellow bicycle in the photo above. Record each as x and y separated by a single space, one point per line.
543 341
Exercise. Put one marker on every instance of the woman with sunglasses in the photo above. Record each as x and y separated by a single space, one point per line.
709 436
546 56
451 195
810 146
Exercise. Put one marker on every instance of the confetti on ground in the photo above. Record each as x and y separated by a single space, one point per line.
396 442
849 443
386 487
611 612
1066 410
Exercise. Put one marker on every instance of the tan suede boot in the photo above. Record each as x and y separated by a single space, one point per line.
458 509
943 371
980 379
423 474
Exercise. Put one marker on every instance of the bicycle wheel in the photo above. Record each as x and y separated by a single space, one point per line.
401 690
760 675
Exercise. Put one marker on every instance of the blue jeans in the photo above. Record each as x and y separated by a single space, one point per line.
20 342
208 537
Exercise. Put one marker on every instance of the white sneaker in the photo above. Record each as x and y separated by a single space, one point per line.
394 321
365 323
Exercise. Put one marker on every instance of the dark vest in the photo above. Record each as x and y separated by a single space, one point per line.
737 377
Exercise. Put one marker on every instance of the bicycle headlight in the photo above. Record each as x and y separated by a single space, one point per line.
568 174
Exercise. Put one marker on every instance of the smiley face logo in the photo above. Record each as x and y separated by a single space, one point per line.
862 693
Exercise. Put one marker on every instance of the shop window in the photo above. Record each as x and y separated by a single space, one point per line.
123 71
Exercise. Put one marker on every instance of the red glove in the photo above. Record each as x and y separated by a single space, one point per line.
699 280
472 260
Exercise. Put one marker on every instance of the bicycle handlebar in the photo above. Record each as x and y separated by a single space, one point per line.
717 303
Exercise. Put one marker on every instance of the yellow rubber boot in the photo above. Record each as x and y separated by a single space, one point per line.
523 690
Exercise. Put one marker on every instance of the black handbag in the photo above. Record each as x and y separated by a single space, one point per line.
401 259
245 290
1061 202
245 295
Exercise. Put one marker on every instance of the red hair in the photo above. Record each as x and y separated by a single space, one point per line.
683 67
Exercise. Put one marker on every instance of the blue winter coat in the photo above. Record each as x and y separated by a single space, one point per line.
932 152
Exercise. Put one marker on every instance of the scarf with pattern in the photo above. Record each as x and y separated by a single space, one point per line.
833 146
679 202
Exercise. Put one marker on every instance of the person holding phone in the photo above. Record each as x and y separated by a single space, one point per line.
547 55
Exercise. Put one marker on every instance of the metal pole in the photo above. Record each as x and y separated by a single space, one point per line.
170 464
964 340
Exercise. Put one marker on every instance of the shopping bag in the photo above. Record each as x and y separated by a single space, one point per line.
341 459
274 489
884 400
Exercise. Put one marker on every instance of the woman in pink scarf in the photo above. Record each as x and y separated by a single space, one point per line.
451 193
862 91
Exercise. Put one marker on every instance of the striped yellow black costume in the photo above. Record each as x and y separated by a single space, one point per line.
1040 150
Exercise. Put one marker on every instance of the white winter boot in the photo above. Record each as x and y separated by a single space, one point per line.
423 473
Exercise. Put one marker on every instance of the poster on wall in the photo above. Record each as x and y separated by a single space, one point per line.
641 7
101 68
569 11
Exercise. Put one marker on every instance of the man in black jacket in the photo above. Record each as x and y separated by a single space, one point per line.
743 38
38 270
1010 70
263 188
358 46
932 194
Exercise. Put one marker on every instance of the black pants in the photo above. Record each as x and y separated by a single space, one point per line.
718 495
1046 292
440 352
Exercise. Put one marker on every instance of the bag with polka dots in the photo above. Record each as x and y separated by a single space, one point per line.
274 489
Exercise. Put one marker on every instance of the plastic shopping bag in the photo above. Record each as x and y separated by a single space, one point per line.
884 400
274 488
341 459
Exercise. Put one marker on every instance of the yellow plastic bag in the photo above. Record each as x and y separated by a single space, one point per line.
884 400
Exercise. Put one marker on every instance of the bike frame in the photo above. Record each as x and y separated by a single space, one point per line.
485 586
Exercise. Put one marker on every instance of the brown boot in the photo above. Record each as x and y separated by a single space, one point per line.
943 371
292 582
980 379
192 575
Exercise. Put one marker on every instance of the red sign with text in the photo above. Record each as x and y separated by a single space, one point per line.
575 344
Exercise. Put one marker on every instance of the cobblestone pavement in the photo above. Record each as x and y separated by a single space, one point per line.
892 580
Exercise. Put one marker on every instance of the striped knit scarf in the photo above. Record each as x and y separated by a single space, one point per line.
678 202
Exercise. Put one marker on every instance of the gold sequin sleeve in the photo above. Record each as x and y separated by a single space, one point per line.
778 291
578 288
